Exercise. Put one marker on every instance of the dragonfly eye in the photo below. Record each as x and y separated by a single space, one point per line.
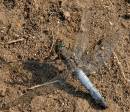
59 46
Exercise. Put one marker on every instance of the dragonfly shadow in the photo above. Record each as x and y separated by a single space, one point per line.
41 72
44 72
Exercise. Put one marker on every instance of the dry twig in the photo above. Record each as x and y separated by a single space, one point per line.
44 84
14 41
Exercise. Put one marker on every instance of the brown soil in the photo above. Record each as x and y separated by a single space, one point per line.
29 30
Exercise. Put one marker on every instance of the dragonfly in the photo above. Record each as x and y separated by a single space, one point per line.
72 63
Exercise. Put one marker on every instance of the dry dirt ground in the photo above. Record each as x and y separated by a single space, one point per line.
96 30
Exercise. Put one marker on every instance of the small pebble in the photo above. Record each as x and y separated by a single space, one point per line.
67 14
102 48
111 23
